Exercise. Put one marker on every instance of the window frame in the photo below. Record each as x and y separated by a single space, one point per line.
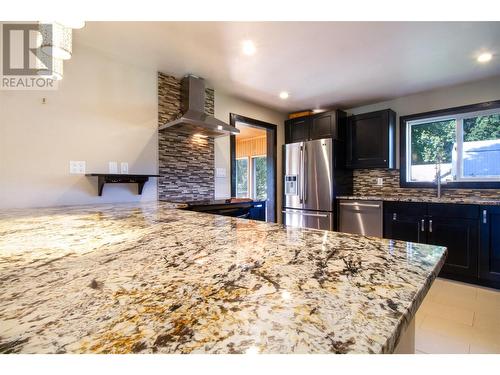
254 190
249 173
459 114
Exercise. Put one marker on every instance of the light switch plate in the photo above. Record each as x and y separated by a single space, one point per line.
380 181
76 167
124 167
220 172
113 167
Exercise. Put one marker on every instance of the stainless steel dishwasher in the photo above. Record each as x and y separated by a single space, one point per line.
361 217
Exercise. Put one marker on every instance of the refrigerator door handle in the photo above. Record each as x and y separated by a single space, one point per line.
305 174
303 213
301 174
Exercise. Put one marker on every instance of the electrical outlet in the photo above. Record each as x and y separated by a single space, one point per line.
220 172
76 167
113 167
380 181
124 167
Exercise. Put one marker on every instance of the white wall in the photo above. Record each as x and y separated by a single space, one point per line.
224 105
103 110
453 96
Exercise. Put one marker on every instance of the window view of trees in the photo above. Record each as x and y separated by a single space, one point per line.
428 138
242 178
482 128
436 140
260 177
256 173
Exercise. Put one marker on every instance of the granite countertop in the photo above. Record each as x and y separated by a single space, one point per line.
129 278
423 199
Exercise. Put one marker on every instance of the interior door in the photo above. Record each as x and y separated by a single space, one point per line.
318 178
293 175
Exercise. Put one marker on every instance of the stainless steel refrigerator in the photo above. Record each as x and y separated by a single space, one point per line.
309 184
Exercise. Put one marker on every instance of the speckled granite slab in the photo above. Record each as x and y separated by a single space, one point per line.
148 278
479 201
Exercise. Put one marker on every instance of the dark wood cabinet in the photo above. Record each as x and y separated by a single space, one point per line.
405 221
489 259
297 129
461 237
258 211
455 226
371 140
323 125
330 124
245 210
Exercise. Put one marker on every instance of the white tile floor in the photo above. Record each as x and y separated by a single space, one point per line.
458 318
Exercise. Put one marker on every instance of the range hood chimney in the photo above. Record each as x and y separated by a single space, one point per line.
194 120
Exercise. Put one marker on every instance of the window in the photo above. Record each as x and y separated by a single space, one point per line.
431 141
480 154
259 177
251 182
242 190
463 144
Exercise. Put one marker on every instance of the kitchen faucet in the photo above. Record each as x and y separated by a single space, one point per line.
438 174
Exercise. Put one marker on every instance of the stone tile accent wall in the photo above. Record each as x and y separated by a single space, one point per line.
186 162
364 184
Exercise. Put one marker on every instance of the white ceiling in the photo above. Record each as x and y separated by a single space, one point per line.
320 64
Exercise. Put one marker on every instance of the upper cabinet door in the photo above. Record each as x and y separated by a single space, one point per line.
297 130
330 124
371 140
323 125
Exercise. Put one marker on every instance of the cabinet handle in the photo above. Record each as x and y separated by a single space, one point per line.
422 226
430 226
394 216
485 216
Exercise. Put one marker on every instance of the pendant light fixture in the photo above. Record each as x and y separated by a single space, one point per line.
56 40
73 24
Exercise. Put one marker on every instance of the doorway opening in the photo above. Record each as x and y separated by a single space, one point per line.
253 162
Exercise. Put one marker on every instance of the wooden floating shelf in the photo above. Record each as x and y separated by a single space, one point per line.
108 178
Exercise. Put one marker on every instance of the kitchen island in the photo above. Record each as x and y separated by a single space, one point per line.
148 278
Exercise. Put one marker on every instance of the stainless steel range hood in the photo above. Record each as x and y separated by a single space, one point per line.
194 120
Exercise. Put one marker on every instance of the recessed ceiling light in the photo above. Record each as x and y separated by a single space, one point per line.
284 95
248 47
318 110
484 57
